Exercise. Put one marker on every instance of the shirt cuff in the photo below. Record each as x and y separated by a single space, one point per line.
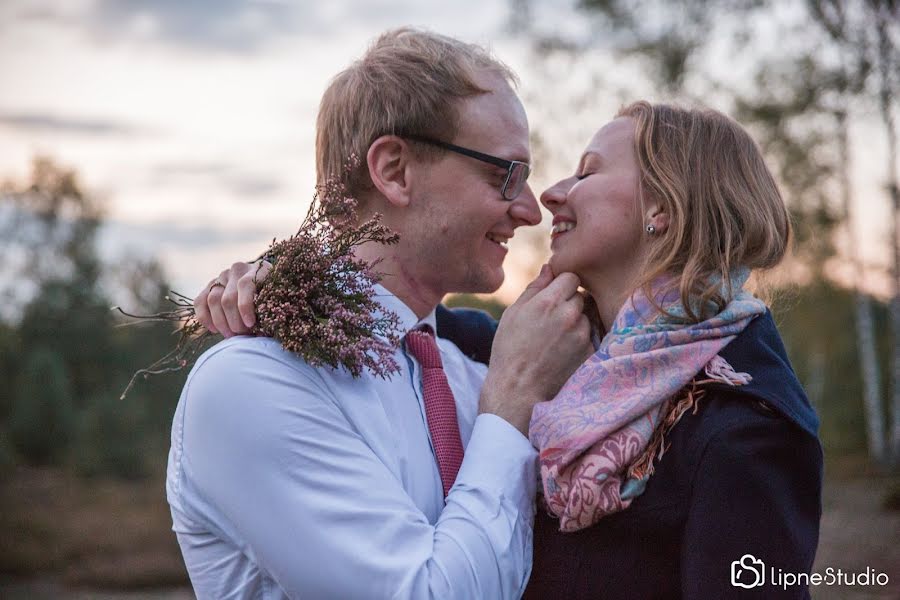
498 457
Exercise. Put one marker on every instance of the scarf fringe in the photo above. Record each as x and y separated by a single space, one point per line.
718 370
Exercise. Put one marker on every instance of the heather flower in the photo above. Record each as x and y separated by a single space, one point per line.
318 300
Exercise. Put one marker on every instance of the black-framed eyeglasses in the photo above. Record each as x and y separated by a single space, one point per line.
517 172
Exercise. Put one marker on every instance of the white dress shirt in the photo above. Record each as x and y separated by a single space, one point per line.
291 481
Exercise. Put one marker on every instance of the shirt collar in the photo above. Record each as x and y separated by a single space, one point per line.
408 319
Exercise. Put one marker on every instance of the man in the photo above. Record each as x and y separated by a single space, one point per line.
290 481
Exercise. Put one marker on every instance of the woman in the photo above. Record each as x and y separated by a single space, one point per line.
667 212
685 442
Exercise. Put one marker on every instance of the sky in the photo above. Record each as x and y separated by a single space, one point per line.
194 121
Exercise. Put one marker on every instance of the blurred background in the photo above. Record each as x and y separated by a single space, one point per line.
146 145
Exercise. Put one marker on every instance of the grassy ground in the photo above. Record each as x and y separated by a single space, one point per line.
87 534
62 537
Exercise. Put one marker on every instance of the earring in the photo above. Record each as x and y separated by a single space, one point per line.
651 229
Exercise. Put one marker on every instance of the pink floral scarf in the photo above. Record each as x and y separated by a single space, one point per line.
603 418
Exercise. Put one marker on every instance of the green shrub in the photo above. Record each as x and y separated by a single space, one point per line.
7 454
111 440
892 498
42 420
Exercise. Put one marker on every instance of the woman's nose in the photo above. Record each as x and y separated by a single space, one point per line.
556 194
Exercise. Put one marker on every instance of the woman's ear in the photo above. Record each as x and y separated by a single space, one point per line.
388 160
658 218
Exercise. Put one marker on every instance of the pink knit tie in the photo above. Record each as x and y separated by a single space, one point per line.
440 408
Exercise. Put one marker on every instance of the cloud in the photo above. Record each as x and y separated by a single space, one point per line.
242 26
17 13
50 122
177 170
117 234
255 186
231 25
234 178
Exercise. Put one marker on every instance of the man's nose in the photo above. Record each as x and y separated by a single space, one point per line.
524 209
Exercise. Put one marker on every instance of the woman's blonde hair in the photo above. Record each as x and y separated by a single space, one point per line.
409 82
725 210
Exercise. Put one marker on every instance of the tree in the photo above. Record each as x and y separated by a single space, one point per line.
106 439
60 290
839 80
887 16
42 423
800 89
48 228
9 365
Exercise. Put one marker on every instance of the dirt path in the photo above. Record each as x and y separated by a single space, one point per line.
858 533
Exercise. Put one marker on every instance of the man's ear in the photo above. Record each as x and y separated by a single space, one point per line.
388 160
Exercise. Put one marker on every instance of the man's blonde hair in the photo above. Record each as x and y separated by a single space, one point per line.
725 210
409 82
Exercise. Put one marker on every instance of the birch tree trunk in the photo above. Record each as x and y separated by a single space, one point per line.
865 330
888 13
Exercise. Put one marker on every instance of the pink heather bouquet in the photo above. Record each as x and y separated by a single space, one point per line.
317 300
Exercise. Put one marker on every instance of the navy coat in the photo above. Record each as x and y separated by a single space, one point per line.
742 476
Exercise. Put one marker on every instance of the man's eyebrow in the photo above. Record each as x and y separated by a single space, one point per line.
520 156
